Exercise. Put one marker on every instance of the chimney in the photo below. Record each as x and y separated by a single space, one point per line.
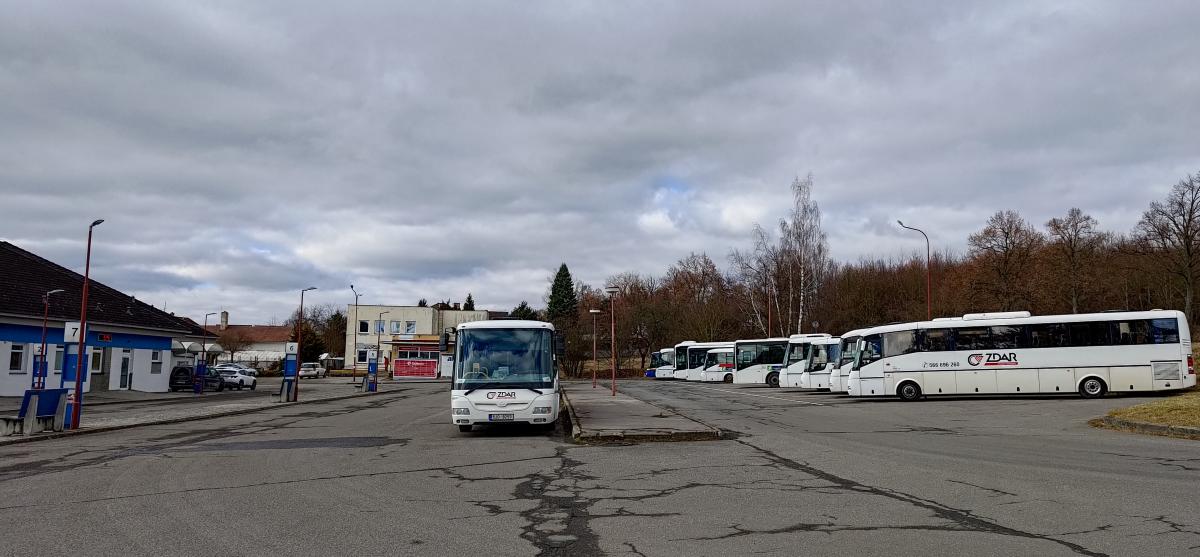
224 320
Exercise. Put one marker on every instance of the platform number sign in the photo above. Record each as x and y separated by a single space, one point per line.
71 332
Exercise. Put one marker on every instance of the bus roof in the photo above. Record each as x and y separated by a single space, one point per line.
505 324
750 340
709 345
854 333
1032 320
685 343
830 340
722 350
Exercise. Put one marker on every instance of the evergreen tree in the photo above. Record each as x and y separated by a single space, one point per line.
563 306
469 305
422 303
523 311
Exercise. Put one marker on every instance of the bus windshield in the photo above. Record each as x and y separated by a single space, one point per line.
695 357
681 357
796 353
505 358
849 349
657 360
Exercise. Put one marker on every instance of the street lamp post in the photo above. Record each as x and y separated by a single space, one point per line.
928 272
595 363
87 268
300 340
378 335
39 375
354 335
612 315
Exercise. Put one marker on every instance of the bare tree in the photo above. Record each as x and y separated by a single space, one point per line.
1170 233
1005 248
804 249
1075 241
233 341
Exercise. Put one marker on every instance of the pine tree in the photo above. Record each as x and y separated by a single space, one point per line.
422 303
563 306
523 311
469 305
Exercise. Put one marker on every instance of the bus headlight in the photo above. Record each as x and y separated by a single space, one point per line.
461 411
541 409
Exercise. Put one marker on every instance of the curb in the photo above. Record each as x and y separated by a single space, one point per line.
1144 428
16 440
581 436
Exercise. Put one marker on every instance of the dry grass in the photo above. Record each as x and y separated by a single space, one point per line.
1179 410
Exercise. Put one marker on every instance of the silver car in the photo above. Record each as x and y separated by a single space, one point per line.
312 370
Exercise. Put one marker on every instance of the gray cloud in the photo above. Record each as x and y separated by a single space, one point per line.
241 152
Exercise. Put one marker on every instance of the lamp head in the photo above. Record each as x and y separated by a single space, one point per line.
899 222
55 291
96 223
309 288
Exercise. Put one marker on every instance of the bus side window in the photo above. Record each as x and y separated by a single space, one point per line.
936 340
1164 331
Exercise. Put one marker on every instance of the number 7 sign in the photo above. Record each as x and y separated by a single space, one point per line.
71 332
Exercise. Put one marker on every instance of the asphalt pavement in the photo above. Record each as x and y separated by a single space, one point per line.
795 473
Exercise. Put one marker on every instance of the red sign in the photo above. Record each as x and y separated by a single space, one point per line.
104 337
415 368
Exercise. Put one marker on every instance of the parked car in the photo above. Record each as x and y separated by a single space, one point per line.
237 378
243 368
182 379
312 369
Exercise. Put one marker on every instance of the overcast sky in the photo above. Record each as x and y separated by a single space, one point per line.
241 151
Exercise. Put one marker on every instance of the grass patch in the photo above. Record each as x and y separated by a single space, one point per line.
1179 410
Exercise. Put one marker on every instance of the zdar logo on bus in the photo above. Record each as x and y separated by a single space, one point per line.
993 359
501 395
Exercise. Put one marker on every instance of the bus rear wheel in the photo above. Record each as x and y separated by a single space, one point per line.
773 380
908 391
1092 387
728 378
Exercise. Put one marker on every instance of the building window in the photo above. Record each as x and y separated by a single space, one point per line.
362 356
410 327
364 327
97 360
16 358
58 359
395 327
379 327
156 361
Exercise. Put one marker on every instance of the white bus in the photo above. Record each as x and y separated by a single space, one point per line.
505 372
696 353
681 360
796 359
1014 353
662 363
758 361
822 359
718 366
839 378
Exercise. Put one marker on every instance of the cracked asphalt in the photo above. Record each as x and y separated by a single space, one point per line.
797 473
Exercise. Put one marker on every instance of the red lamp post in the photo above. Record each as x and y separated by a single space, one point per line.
39 375
595 363
87 268
612 315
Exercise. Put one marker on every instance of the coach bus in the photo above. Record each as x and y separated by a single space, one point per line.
839 377
718 365
696 354
757 362
505 371
822 358
1010 353
796 358
662 363
679 364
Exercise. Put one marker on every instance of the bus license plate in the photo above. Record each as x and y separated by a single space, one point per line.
501 417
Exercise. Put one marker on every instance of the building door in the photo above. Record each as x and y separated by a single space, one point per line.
101 358
126 368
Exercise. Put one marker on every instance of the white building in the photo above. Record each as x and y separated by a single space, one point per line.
407 336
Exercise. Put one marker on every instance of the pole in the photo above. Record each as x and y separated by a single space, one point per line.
378 342
595 362
76 409
928 272
355 334
39 375
612 308
299 343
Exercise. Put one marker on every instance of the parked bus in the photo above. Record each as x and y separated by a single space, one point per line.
696 353
718 365
758 361
679 370
839 378
1013 352
795 361
505 372
822 359
662 363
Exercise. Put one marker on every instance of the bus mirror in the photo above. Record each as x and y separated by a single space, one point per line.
444 343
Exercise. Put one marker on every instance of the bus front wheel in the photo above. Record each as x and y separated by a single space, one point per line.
728 378
1092 387
908 391
773 380
465 428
